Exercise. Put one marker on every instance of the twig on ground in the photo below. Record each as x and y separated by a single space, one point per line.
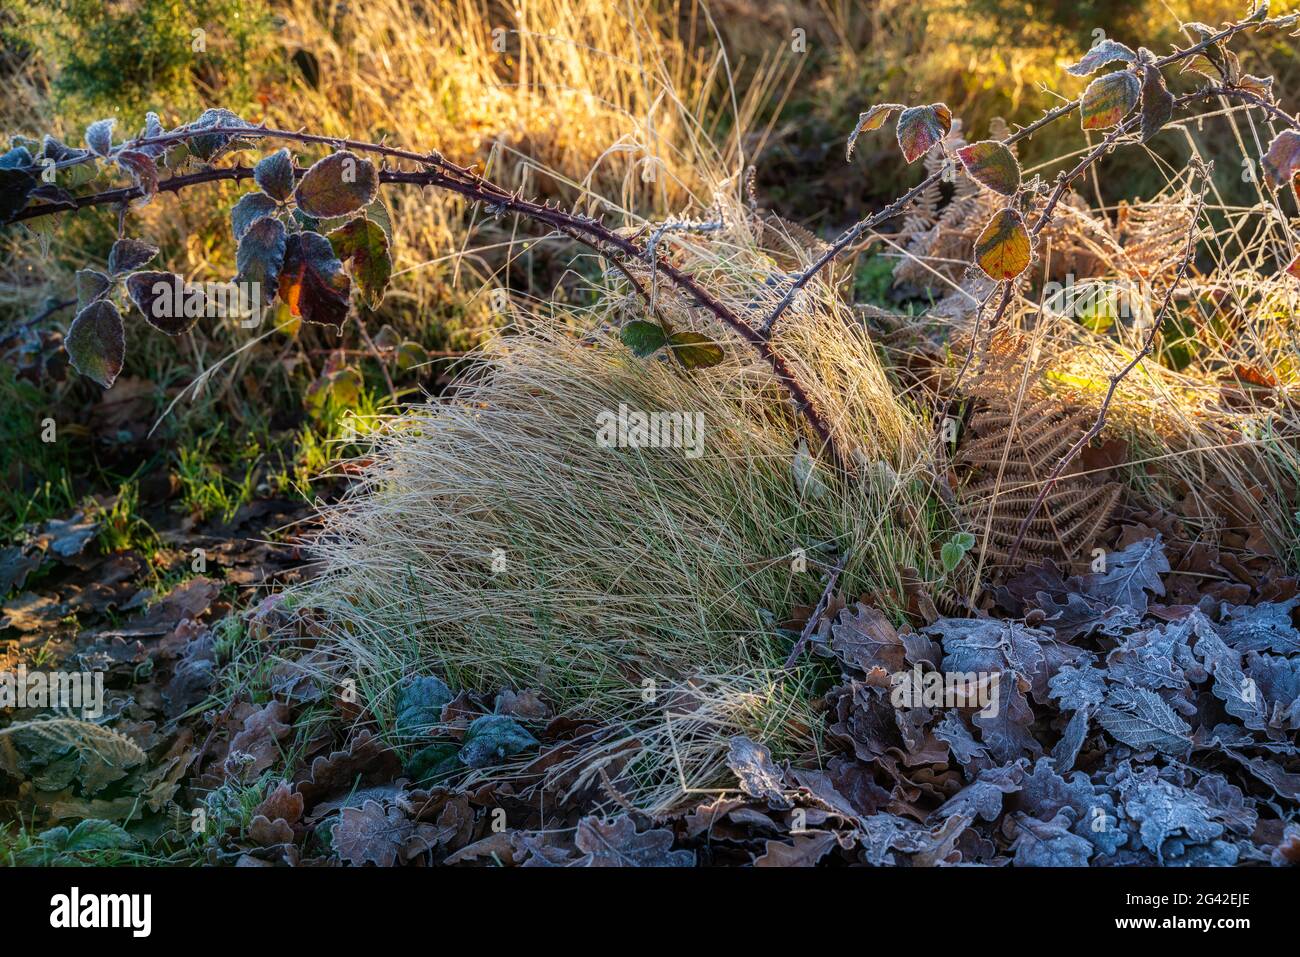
820 610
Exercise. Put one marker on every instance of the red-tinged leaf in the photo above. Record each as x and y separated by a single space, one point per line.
337 185
1108 99
165 302
1293 270
873 119
991 164
1157 101
96 342
261 252
1283 158
142 170
921 127
1002 250
363 245
274 174
128 255
1254 375
1106 51
312 281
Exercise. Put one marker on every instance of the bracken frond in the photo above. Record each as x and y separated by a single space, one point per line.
1010 450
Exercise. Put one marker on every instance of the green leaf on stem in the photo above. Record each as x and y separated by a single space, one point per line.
1157 101
250 208
96 342
164 301
274 174
91 285
128 255
1103 52
99 136
363 245
261 252
337 185
643 338
206 146
1108 99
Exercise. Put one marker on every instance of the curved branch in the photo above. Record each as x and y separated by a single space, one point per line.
443 174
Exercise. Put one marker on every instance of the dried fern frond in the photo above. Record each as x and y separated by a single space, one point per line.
1012 448
793 246
1153 233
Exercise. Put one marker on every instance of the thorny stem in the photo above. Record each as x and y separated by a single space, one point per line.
1062 183
442 173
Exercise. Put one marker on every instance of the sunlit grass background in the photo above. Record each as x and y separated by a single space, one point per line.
630 111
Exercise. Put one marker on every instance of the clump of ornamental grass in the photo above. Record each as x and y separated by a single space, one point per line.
497 540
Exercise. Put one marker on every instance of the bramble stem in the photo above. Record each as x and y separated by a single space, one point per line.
443 174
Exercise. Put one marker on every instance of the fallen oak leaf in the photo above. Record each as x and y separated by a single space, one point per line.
372 834
616 843
281 803
267 833
365 760
759 778
808 848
